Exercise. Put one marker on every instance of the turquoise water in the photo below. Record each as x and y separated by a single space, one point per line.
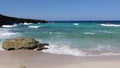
79 39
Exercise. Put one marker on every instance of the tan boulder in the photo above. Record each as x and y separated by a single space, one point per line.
22 43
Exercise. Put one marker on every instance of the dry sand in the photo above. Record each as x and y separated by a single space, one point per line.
37 59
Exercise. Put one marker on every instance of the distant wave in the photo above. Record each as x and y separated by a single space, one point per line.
26 23
105 31
34 26
114 25
9 26
67 50
75 24
88 33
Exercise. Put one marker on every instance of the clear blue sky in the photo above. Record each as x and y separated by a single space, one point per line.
62 9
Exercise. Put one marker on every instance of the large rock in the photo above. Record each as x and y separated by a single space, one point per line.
23 43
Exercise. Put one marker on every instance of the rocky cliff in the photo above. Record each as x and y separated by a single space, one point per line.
6 20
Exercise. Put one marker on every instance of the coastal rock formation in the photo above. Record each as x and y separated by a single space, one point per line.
23 43
6 20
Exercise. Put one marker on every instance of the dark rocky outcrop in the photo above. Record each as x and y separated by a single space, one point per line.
6 20
23 43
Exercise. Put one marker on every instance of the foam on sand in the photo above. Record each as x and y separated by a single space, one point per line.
67 50
1 46
64 50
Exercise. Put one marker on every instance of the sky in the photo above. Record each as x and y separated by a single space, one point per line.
62 9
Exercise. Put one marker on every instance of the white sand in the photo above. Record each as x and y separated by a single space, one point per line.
97 64
37 59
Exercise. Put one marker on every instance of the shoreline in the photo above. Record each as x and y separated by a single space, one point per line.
37 59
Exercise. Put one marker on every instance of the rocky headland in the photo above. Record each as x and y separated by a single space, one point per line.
6 20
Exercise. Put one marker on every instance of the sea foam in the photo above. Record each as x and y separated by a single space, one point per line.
9 26
64 50
1 46
75 24
6 33
67 50
89 33
114 25
27 23
34 26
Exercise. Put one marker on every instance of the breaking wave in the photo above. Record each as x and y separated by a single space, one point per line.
67 50
34 26
9 26
64 50
27 23
111 25
6 34
75 24
89 33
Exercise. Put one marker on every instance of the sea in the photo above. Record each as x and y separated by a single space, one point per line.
77 38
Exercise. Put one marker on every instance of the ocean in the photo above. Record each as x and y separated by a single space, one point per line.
70 37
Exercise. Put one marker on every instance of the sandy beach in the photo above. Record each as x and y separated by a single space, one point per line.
37 59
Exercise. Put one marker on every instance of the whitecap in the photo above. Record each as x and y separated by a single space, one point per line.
34 26
25 23
105 32
9 26
5 33
76 24
110 25
89 33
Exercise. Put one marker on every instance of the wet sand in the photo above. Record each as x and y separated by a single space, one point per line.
37 59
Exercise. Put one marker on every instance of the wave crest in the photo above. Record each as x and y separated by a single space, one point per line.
9 26
25 23
111 25
64 50
95 51
76 24
34 26
89 33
